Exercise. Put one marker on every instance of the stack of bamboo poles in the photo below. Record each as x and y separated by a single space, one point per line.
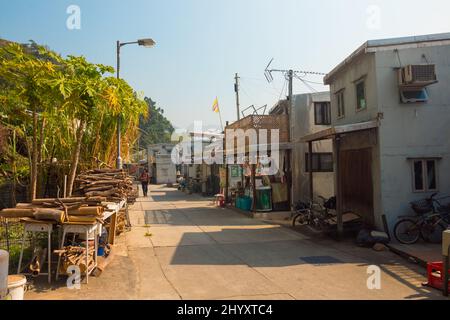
115 185
76 256
77 210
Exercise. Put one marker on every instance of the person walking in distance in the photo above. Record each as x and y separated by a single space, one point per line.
145 179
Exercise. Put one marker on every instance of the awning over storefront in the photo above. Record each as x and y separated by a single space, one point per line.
331 132
268 147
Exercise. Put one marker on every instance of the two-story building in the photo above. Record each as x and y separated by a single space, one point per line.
290 183
311 113
390 112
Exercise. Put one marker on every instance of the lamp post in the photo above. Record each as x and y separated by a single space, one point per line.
139 149
148 43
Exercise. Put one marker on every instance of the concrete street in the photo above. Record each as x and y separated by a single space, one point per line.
182 247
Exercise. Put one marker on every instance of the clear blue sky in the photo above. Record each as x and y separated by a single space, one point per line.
202 43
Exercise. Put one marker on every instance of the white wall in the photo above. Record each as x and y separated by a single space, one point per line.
166 171
303 124
363 66
412 130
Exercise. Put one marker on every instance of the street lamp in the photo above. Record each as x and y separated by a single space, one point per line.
139 138
147 43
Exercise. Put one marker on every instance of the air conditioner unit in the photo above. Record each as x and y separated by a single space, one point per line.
419 75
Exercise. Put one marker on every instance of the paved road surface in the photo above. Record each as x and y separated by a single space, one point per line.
181 247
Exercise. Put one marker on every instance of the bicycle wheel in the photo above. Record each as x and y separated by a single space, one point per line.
407 231
315 225
299 219
432 232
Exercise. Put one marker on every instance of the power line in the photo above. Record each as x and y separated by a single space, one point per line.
244 84
313 82
276 90
305 82
307 85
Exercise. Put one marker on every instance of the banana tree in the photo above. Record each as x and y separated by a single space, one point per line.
81 85
26 92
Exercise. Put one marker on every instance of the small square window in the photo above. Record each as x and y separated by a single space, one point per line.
321 162
322 113
424 175
361 102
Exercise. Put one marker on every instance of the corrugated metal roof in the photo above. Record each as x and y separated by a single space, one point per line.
331 132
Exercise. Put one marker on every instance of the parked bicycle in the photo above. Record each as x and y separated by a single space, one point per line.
314 215
431 220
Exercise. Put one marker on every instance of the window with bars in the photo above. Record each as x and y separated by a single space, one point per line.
322 113
321 162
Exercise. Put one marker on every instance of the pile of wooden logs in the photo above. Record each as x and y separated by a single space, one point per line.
121 224
78 210
43 214
76 256
113 184
38 260
133 196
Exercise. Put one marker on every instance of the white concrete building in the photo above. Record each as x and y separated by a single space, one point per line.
390 106
311 113
161 167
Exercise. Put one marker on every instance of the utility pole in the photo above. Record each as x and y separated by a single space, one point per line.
119 118
290 75
236 89
291 80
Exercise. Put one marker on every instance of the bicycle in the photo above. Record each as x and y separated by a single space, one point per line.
431 220
314 215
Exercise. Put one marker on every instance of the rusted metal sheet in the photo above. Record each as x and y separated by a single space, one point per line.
262 122
268 122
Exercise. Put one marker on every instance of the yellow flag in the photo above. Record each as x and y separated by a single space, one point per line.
216 106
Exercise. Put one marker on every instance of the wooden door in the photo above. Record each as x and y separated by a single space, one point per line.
356 182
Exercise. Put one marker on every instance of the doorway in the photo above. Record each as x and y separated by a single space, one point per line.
356 183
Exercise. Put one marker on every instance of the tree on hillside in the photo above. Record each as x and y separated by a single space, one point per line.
156 128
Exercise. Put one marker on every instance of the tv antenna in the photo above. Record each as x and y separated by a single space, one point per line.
295 73
289 75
